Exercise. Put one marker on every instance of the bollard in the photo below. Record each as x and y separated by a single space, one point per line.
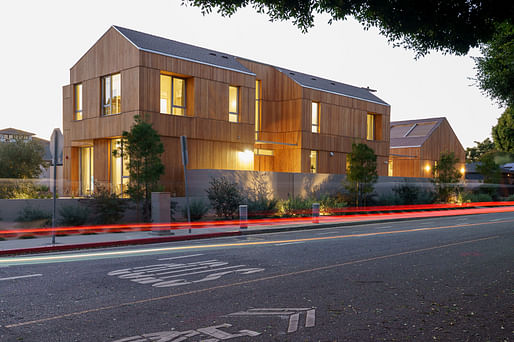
243 216
315 212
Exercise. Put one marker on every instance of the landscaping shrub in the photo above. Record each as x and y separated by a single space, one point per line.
408 193
73 215
509 198
476 197
30 213
197 210
24 190
225 197
331 205
173 209
296 206
262 206
107 207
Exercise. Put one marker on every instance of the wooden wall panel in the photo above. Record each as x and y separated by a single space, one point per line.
101 162
110 54
441 140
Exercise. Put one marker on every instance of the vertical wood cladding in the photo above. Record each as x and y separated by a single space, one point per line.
214 142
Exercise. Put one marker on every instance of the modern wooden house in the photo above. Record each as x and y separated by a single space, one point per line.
237 114
416 145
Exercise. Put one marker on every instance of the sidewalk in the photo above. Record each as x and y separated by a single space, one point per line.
204 230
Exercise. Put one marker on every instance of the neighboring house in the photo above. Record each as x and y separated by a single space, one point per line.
416 146
506 177
12 134
237 114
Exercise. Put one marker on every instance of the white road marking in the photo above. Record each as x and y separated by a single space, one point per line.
180 257
24 276
293 313
288 243
494 220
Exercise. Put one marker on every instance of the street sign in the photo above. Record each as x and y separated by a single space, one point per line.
183 145
56 145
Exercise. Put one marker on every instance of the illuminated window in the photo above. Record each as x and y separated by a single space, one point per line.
78 101
263 152
86 178
370 133
233 104
173 95
348 163
314 161
390 168
119 168
111 94
315 117
257 108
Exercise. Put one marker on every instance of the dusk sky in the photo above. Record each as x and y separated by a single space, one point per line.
42 40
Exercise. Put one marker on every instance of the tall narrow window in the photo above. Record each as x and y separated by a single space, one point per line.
390 168
314 161
315 117
78 101
173 95
370 132
119 168
257 108
86 178
111 94
233 104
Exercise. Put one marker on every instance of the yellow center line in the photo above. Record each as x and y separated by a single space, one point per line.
283 275
165 249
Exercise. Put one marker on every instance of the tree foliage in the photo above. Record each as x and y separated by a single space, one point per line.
362 173
21 159
503 132
488 168
143 148
495 69
473 154
225 196
446 177
441 25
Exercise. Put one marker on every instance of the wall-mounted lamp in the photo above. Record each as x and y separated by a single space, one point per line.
427 168
331 154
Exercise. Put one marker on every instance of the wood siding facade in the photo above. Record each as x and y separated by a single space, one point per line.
213 141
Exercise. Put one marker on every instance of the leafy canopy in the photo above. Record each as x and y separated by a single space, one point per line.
362 172
495 70
503 132
446 177
473 154
441 25
21 159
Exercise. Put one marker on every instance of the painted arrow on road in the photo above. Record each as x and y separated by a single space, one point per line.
292 313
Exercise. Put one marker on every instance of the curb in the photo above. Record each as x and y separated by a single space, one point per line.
144 241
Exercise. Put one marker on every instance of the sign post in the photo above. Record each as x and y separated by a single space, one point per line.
185 160
56 147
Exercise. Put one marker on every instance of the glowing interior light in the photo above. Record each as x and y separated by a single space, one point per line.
246 156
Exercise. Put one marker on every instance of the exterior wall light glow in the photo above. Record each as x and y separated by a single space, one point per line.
246 156
427 168
462 170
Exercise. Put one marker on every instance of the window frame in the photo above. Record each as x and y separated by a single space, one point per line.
313 166
236 113
78 112
315 127
172 95
103 97
373 127
258 107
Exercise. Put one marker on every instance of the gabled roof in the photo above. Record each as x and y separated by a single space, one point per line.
318 83
412 133
15 131
171 48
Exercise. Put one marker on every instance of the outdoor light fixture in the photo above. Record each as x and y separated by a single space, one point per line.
246 156
427 168
462 170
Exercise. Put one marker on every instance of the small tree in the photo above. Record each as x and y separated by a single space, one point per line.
143 148
491 173
225 196
361 174
473 154
503 132
21 159
446 177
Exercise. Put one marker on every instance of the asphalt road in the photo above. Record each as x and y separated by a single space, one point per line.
447 279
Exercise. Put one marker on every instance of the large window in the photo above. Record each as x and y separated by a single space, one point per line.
315 117
233 104
173 95
78 101
111 94
119 168
86 178
370 132
314 161
257 108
